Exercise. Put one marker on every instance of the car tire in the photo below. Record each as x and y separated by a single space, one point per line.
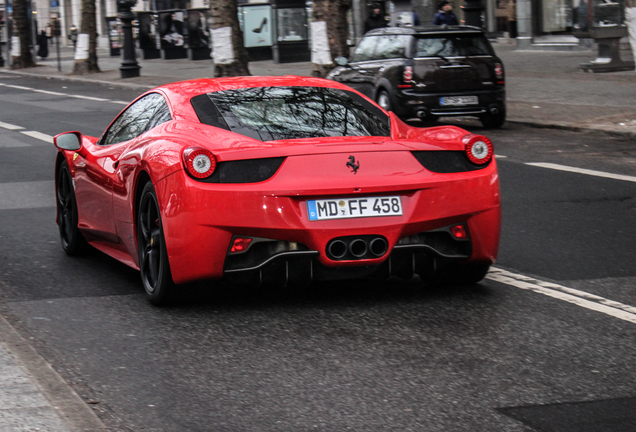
384 100
459 274
73 241
153 256
493 121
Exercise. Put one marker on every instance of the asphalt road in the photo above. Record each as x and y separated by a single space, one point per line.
521 351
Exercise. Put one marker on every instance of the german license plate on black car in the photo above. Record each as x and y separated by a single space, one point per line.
344 208
458 100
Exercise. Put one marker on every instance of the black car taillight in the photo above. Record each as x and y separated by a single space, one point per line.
407 77
499 73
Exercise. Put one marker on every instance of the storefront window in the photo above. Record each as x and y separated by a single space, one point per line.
292 24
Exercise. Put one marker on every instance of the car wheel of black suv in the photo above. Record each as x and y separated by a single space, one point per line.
493 121
384 100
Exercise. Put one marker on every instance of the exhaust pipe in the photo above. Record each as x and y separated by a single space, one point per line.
494 110
378 246
421 114
337 249
358 248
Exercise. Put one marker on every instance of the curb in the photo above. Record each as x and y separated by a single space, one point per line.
605 129
71 409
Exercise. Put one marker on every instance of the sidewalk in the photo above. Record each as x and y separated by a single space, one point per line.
544 88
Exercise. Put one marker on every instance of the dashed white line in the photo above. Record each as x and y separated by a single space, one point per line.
91 98
570 295
38 135
583 171
10 126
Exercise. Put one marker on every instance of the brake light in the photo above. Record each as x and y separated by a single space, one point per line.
499 71
408 74
459 232
479 149
199 162
240 244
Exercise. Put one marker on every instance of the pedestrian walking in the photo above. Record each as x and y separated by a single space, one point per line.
43 45
445 15
376 19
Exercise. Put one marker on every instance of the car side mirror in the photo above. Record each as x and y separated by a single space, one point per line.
68 141
342 61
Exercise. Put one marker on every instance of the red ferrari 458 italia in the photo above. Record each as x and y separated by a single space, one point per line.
279 180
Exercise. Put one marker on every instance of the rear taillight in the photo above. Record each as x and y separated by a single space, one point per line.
499 73
199 162
408 74
479 149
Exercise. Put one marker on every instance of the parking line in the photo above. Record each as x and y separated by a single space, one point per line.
583 171
570 295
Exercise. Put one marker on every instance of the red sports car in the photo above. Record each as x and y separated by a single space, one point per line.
277 180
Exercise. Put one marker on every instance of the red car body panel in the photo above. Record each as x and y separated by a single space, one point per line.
199 219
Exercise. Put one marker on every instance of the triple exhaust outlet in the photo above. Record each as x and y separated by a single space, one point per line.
357 247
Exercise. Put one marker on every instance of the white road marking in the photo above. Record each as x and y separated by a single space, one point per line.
10 126
570 295
64 94
583 171
39 135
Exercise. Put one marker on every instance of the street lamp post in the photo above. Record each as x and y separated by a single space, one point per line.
129 66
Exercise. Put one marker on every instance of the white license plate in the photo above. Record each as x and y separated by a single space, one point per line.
458 100
344 208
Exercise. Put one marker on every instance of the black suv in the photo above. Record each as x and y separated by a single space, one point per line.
428 72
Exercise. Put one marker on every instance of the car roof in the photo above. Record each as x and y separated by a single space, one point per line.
425 30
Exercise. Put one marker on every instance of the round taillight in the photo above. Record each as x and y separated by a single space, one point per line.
478 149
199 162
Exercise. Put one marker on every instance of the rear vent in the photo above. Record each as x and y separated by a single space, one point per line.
245 171
445 162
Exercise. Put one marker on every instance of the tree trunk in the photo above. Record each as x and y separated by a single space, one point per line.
329 40
229 53
22 23
86 46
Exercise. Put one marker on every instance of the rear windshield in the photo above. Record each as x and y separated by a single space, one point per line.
452 46
278 113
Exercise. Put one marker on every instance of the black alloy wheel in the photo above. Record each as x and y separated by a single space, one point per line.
153 257
72 240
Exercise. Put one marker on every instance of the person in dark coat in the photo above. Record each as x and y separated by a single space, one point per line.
445 15
376 19
43 45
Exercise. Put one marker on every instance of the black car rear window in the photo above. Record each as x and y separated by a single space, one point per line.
452 45
277 113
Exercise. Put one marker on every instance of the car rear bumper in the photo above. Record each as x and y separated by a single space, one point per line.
200 222
412 104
